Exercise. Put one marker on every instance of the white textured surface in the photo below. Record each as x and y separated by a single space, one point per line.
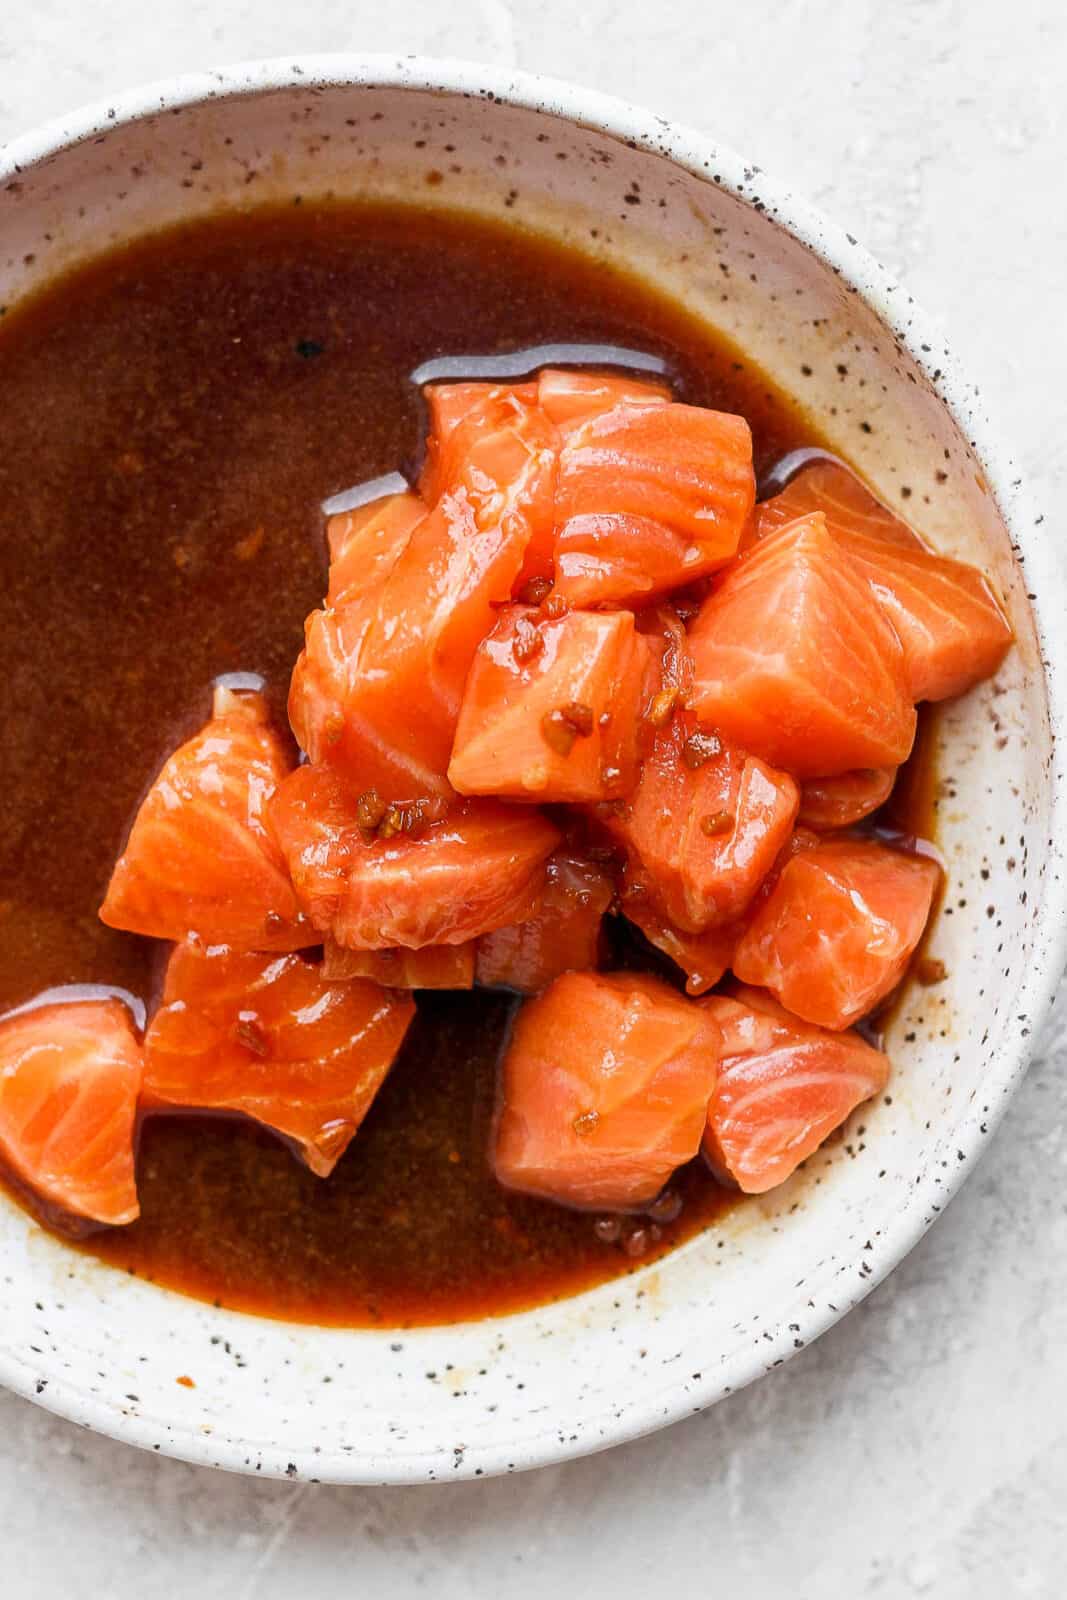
921 1446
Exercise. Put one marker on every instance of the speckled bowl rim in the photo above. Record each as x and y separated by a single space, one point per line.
1046 584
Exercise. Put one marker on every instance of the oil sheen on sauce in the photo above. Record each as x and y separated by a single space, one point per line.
175 415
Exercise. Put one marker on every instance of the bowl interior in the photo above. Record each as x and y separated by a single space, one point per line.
506 1393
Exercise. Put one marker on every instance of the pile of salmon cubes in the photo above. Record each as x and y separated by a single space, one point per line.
579 674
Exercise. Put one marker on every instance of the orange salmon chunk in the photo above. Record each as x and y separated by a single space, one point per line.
502 454
200 860
613 558
446 405
449 405
565 933
570 397
377 690
848 506
783 1086
366 543
605 1090
324 690
70 1075
703 957
374 877
704 825
950 624
435 966
839 802
794 659
650 497
834 935
269 1037
550 710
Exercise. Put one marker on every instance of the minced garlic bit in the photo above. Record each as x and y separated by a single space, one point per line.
699 748
558 733
385 821
580 717
662 707
370 809
536 591
529 641
561 727
249 1031
716 823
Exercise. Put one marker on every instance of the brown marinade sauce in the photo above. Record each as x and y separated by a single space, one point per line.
174 415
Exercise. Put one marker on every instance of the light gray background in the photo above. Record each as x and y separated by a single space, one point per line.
920 1448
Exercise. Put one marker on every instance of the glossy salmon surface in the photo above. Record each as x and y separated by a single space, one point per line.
200 860
795 660
70 1076
704 825
842 801
686 467
409 644
552 706
565 933
703 957
616 558
834 935
572 396
501 453
434 966
366 544
450 404
783 1087
443 882
268 1036
605 1088
950 624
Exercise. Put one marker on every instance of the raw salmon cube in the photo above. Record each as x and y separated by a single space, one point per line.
783 1087
448 405
605 1090
326 681
570 397
842 801
795 661
704 825
70 1075
949 622
269 1037
502 454
366 543
565 934
550 710
200 860
377 691
703 957
435 966
374 877
827 485
615 558
835 933
684 468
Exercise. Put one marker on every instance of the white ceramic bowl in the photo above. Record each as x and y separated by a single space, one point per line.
458 1401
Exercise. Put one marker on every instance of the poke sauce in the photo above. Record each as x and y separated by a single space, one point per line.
458 832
